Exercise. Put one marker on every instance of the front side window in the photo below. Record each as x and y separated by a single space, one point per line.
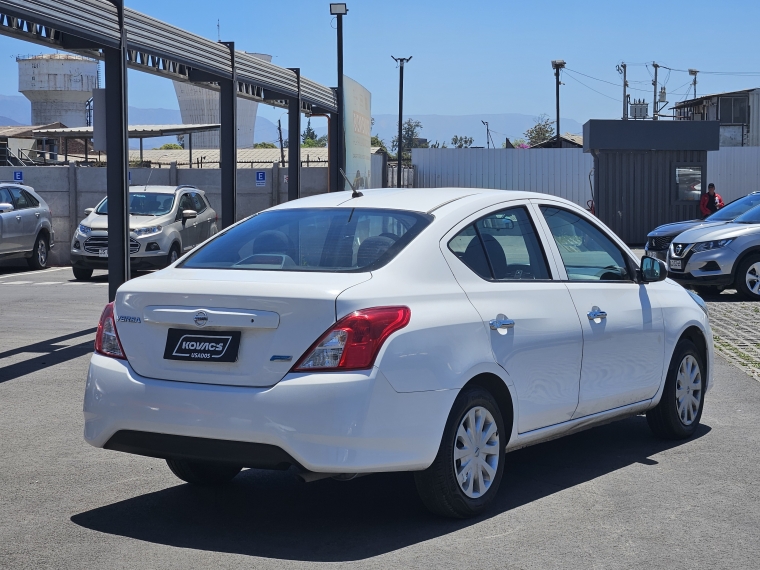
5 197
502 247
144 204
587 253
312 239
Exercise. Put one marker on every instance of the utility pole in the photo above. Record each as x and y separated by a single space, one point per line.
622 68
282 150
655 110
693 73
488 134
400 148
557 66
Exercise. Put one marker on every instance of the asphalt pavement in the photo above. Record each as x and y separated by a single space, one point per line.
611 497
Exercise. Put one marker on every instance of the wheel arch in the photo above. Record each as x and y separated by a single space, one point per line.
501 393
754 250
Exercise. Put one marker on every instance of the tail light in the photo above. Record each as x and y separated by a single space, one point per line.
354 341
107 340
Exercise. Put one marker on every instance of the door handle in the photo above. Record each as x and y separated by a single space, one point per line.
18 218
596 313
37 214
501 322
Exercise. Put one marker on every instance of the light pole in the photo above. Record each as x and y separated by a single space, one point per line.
400 148
339 10
557 66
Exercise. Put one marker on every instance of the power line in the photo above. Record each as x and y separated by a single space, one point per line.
736 73
605 81
592 89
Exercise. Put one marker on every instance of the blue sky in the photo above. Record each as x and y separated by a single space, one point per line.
482 56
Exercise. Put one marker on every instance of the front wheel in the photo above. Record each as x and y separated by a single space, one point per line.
173 255
748 278
680 409
39 259
82 273
203 472
465 476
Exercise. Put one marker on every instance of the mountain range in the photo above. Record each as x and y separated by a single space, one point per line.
16 110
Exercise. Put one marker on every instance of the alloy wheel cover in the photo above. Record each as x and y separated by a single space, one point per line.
41 252
476 452
688 390
753 278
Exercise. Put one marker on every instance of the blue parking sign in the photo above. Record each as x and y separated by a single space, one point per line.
261 178
18 175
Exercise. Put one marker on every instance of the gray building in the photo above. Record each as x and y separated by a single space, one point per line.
738 113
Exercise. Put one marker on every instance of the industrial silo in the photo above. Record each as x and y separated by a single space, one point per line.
200 106
58 86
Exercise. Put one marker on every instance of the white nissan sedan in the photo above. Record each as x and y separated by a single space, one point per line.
425 330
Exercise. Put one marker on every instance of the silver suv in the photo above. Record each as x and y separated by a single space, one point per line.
712 258
26 228
164 221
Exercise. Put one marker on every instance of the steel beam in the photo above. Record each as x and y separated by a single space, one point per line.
228 142
333 146
117 145
294 142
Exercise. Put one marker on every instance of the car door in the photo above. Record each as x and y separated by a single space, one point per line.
188 230
534 330
623 330
10 226
25 216
203 222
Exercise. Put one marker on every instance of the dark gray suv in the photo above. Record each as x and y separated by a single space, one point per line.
26 228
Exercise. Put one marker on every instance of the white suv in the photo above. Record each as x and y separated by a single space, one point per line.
164 222
26 228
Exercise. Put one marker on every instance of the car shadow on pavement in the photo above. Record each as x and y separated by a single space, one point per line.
50 354
276 515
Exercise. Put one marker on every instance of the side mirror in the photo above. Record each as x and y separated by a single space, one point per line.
88 211
6 207
188 215
652 270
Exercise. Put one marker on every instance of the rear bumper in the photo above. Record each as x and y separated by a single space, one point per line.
352 422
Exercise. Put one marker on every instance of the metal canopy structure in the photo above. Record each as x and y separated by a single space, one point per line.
106 30
134 132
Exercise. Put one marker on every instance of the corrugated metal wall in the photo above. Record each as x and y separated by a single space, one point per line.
561 172
637 192
734 170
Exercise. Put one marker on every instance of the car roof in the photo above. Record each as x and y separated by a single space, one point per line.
162 189
410 199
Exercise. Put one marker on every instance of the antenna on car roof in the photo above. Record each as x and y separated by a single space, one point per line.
354 192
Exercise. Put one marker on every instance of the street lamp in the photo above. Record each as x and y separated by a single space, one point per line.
400 148
339 10
557 66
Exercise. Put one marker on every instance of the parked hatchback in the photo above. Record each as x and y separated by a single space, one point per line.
424 330
164 221
659 239
26 225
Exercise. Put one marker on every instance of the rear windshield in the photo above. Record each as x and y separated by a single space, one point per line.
319 239
735 208
144 204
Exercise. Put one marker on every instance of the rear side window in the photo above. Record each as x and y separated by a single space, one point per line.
198 202
31 200
312 239
20 198
502 247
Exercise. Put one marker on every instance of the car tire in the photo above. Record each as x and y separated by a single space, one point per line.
748 278
450 487
203 472
678 414
81 273
173 255
39 259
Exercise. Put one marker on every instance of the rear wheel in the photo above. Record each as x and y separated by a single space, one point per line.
81 273
465 476
680 409
748 278
203 472
39 259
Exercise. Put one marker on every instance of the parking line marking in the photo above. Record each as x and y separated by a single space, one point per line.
35 273
49 283
17 282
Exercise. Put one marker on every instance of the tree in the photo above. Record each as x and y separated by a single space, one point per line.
320 142
410 133
542 131
309 133
436 144
519 142
461 142
264 145
377 141
170 146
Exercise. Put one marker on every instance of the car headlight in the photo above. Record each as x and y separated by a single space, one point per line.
84 230
708 245
149 231
699 301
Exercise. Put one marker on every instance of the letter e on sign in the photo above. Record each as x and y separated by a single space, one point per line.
261 178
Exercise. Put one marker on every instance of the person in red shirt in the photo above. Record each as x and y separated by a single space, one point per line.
710 202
